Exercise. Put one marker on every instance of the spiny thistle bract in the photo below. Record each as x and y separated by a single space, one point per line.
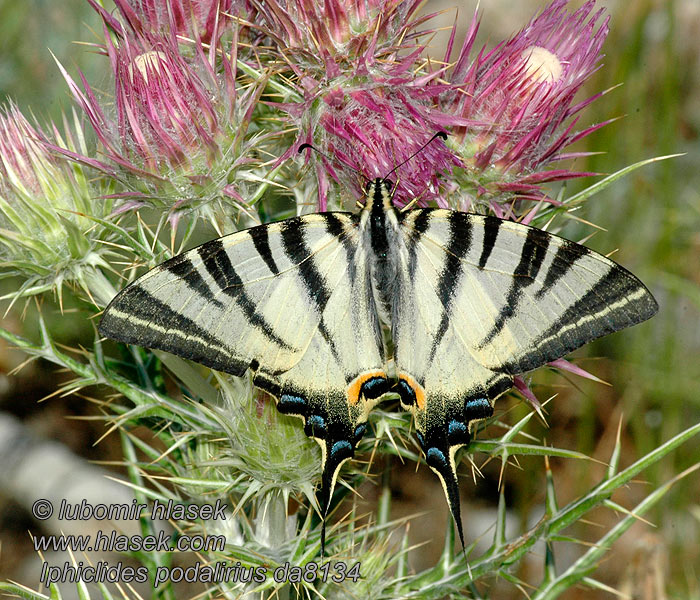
211 101
47 232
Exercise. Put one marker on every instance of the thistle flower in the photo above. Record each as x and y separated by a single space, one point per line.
361 105
46 235
332 38
165 114
374 130
179 125
519 101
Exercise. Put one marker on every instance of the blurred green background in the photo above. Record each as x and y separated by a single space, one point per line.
651 217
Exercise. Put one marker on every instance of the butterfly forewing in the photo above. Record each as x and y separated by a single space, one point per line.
519 296
219 304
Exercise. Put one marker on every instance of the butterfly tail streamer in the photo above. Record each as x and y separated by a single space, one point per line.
440 458
336 452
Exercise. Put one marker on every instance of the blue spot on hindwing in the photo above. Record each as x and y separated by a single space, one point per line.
291 404
408 395
457 433
436 458
375 387
315 426
456 428
360 431
341 449
477 408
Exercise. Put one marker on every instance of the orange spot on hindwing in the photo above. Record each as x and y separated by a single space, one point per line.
411 391
376 385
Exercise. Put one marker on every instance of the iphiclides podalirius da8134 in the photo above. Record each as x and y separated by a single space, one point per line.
470 301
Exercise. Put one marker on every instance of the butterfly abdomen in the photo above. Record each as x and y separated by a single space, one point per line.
382 236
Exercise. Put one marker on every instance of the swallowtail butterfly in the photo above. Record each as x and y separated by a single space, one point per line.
469 300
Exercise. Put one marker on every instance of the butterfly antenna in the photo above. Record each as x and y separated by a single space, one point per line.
440 134
347 164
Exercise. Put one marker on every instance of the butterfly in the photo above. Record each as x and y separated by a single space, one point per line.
469 300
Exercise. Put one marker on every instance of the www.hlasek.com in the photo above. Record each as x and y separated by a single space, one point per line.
111 541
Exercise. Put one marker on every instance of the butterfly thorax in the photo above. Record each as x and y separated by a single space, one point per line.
380 225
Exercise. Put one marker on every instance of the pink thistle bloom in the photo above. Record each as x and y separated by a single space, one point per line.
337 36
367 109
373 130
519 98
511 111
180 120
165 114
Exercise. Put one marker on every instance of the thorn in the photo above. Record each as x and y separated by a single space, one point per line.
504 460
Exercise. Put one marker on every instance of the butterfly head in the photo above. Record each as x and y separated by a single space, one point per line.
379 192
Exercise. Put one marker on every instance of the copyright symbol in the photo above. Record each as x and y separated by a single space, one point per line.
42 509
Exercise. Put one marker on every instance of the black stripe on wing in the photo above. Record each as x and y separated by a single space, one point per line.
616 301
456 248
299 254
261 241
566 256
337 228
491 227
325 334
343 231
157 325
532 256
218 265
182 267
420 224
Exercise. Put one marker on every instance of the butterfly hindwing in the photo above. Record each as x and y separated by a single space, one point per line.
291 301
481 300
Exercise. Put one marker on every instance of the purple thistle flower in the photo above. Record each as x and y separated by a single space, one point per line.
372 130
163 110
511 111
368 111
519 98
165 114
179 123
336 36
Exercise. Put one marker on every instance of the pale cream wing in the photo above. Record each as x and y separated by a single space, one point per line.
482 299
227 303
289 300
